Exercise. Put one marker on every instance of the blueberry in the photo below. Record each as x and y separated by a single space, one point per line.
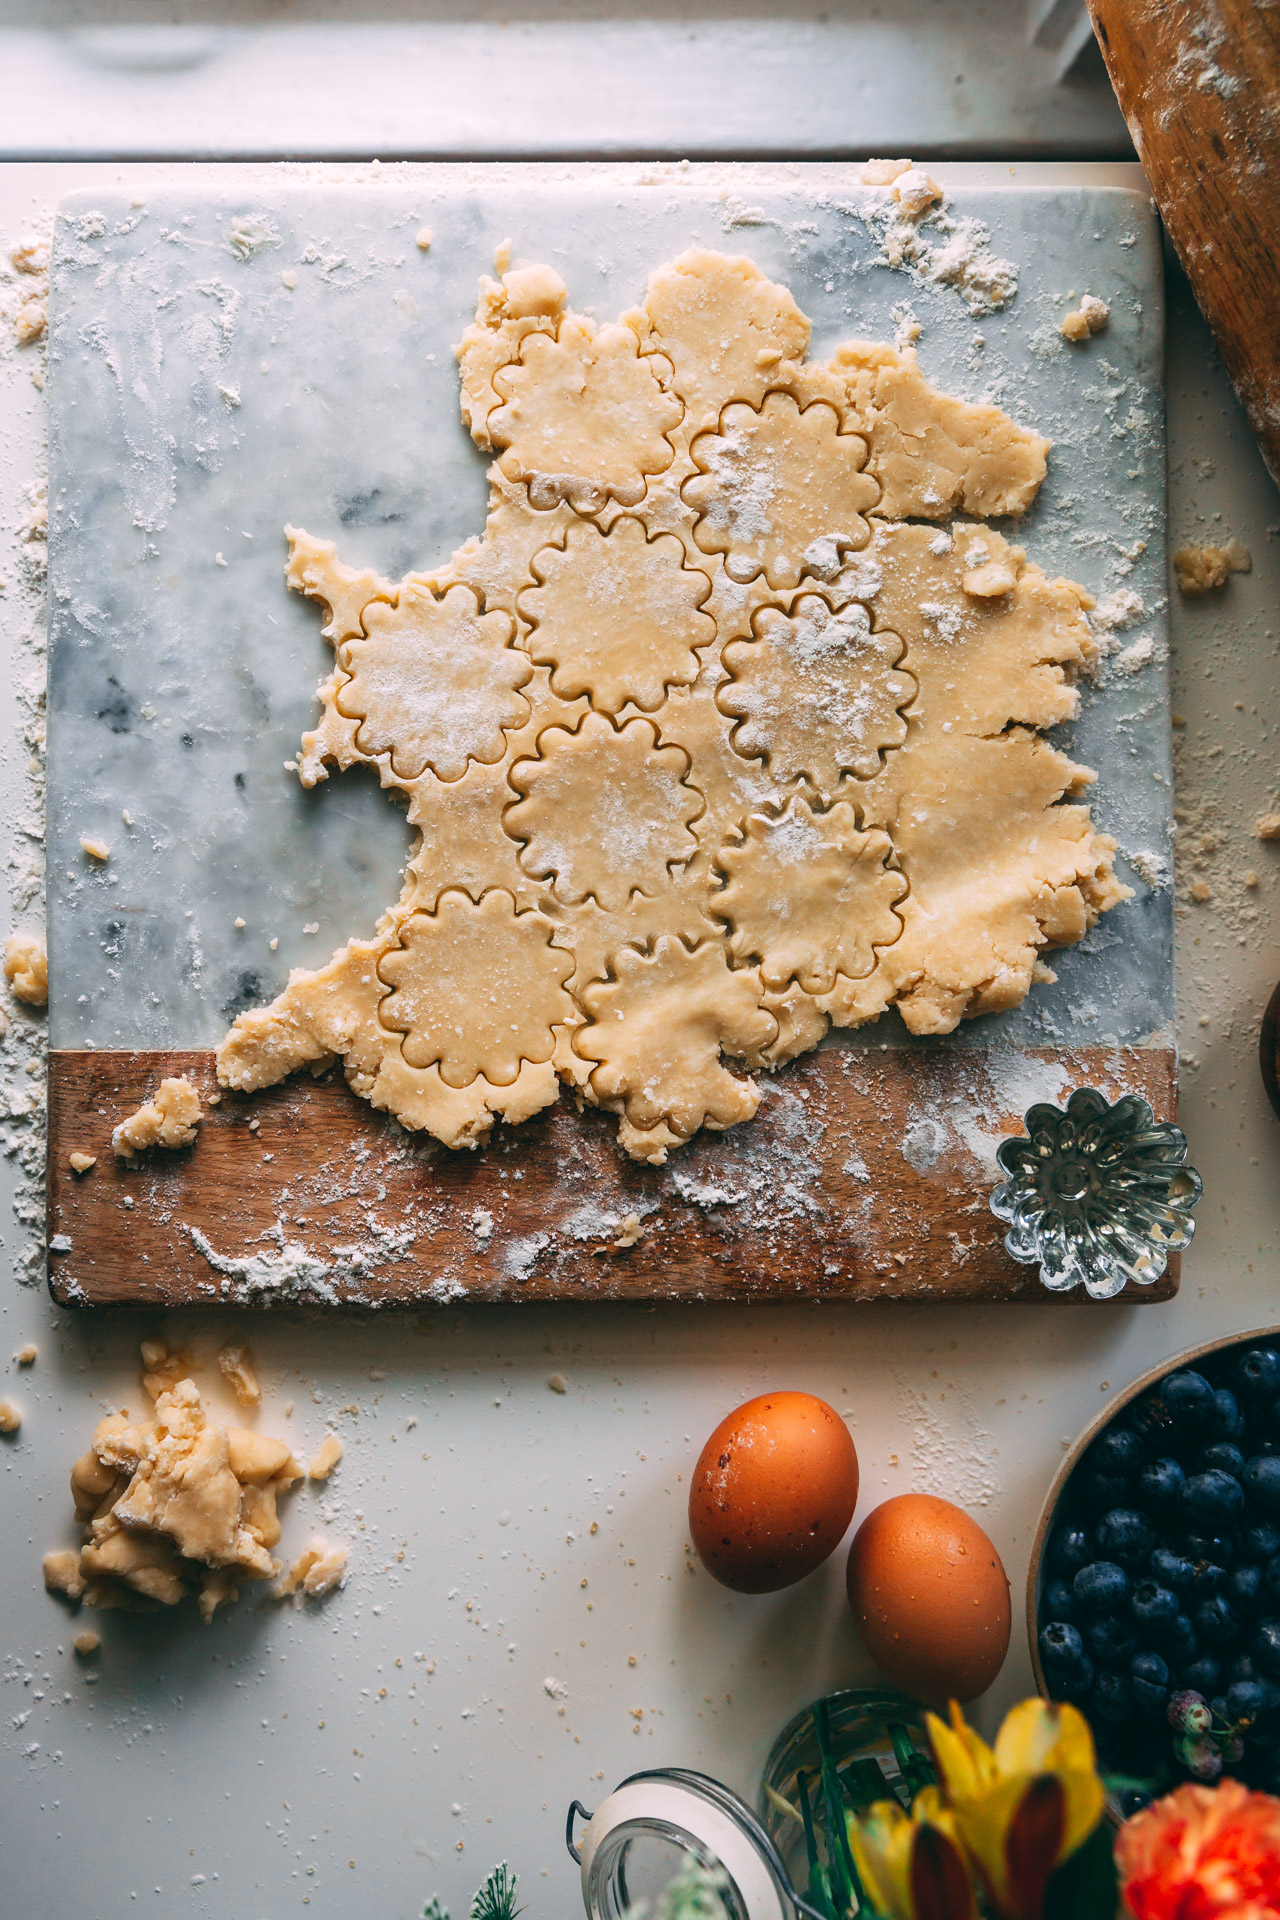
1179 1640
1188 1399
1218 1548
1100 1586
1188 1712
1264 1644
1074 1682
1152 1605
1212 1497
1204 1675
1226 1421
1246 1590
1103 1490
1171 1569
1258 1374
1126 1536
1149 1679
1261 1481
1246 1702
1216 1621
1060 1646
1059 1601
1220 1454
1260 1541
1133 1800
1160 1481
1208 1579
1118 1451
1071 1548
1111 1698
1243 1667
1110 1638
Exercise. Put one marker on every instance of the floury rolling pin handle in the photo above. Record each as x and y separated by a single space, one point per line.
1200 89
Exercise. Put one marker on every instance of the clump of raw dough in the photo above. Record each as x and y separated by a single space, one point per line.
81 1162
325 1458
10 1417
30 259
169 1120
319 1568
1199 570
236 1366
1090 317
1268 826
172 1504
26 968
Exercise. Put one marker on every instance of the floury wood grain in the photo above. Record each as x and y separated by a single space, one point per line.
327 1201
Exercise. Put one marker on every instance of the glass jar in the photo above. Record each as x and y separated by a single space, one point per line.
653 1826
834 1758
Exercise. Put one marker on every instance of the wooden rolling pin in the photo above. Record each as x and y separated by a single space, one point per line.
1200 88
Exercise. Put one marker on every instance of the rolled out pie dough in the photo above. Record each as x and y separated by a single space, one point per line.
710 742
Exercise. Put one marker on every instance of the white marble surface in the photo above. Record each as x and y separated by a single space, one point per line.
196 1774
197 405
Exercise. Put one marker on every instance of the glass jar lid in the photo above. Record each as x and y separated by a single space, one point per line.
660 1825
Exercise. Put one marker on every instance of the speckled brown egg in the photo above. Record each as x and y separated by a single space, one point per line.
773 1491
928 1590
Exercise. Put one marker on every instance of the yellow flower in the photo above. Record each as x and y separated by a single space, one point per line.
912 1865
1022 1807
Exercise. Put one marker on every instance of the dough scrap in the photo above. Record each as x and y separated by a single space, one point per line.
26 968
172 1504
1200 570
707 744
168 1120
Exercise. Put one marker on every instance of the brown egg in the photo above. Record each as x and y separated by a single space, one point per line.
928 1590
773 1491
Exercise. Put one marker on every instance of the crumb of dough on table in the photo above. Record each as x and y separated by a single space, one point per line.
163 1366
86 1643
10 1417
319 1568
1200 570
236 1366
26 968
81 1162
325 1458
1090 317
630 1231
169 1120
1268 827
27 1354
172 1505
96 849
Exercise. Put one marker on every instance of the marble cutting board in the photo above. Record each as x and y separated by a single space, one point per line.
254 345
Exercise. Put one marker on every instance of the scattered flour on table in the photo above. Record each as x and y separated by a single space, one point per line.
293 1271
952 1452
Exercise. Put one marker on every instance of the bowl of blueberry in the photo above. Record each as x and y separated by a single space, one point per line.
1154 1595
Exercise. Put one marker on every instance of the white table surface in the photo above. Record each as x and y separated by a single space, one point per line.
401 1739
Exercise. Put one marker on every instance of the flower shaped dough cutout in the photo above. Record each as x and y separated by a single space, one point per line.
617 616
774 482
817 693
434 682
659 1028
809 895
670 814
606 811
446 1017
586 416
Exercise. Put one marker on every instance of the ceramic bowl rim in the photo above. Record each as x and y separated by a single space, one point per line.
1186 1357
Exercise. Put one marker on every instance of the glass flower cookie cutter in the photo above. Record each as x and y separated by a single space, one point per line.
1096 1195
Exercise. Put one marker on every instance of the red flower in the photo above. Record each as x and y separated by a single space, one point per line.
1203 1853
